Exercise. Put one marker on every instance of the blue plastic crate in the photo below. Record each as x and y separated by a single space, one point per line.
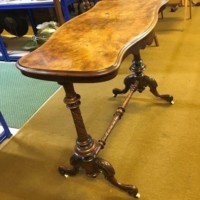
6 132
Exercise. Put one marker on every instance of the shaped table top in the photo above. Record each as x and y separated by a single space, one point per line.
92 45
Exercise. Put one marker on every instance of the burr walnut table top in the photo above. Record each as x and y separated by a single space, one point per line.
91 46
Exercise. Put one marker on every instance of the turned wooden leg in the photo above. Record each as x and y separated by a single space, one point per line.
87 149
156 40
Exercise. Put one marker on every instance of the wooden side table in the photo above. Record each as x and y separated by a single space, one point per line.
90 49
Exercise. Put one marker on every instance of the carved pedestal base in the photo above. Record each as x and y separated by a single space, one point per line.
87 149
95 166
142 81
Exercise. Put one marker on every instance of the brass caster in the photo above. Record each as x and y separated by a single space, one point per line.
137 195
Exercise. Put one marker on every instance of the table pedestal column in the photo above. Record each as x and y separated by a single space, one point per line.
87 149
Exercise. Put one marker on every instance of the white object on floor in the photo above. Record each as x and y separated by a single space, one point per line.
12 130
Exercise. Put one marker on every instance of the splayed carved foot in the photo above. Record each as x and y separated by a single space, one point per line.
75 161
153 89
109 172
128 81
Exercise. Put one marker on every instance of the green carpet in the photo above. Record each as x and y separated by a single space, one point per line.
20 96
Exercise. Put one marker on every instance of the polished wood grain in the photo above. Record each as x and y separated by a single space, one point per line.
93 44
